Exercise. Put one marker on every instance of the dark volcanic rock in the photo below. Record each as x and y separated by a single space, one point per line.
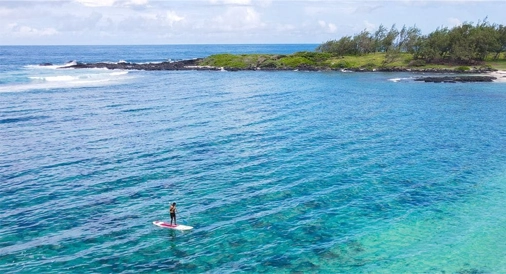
455 79
178 65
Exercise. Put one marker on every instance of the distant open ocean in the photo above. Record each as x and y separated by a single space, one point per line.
278 172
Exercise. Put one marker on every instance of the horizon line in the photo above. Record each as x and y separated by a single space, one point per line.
182 44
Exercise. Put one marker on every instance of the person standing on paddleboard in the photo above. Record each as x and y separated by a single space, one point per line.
173 211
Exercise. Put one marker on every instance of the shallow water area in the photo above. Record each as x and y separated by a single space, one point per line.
276 171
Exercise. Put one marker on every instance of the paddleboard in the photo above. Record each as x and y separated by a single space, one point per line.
168 225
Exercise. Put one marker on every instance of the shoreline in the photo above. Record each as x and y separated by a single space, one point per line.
195 64
448 75
500 76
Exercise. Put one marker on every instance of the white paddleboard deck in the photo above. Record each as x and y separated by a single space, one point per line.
168 225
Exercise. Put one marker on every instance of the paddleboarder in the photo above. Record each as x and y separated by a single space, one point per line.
173 211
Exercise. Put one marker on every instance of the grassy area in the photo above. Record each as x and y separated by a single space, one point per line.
264 60
370 61
230 60
498 64
328 61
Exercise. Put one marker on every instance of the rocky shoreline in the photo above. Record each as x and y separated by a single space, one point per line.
455 79
194 64
176 65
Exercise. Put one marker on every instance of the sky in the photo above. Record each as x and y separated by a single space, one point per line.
139 22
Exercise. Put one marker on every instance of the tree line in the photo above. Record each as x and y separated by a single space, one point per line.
466 43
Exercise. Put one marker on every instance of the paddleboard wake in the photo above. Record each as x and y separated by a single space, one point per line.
168 225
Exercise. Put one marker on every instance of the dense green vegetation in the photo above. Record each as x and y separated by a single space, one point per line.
464 44
461 48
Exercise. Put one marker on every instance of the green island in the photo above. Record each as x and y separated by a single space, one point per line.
469 47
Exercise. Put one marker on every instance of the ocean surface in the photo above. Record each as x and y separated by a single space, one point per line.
278 172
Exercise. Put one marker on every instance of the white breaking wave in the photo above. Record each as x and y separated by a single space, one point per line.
34 78
396 80
73 63
52 66
123 72
61 78
42 66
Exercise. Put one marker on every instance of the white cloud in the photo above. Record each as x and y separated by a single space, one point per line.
145 23
454 22
332 28
369 26
5 12
27 31
285 27
225 21
367 8
314 10
172 17
110 3
150 24
97 3
239 18
264 3
328 27
231 2
138 2
79 23
252 3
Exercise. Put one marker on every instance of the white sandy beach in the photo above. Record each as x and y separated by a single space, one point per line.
500 75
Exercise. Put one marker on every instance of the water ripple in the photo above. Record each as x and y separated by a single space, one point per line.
276 172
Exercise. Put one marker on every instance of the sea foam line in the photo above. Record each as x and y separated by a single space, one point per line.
70 80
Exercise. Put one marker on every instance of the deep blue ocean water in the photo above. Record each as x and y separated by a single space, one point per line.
277 171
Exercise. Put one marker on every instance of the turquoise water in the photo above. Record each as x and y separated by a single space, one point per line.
277 171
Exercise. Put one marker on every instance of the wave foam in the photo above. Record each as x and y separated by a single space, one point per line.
69 64
61 78
55 79
396 80
124 72
51 66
